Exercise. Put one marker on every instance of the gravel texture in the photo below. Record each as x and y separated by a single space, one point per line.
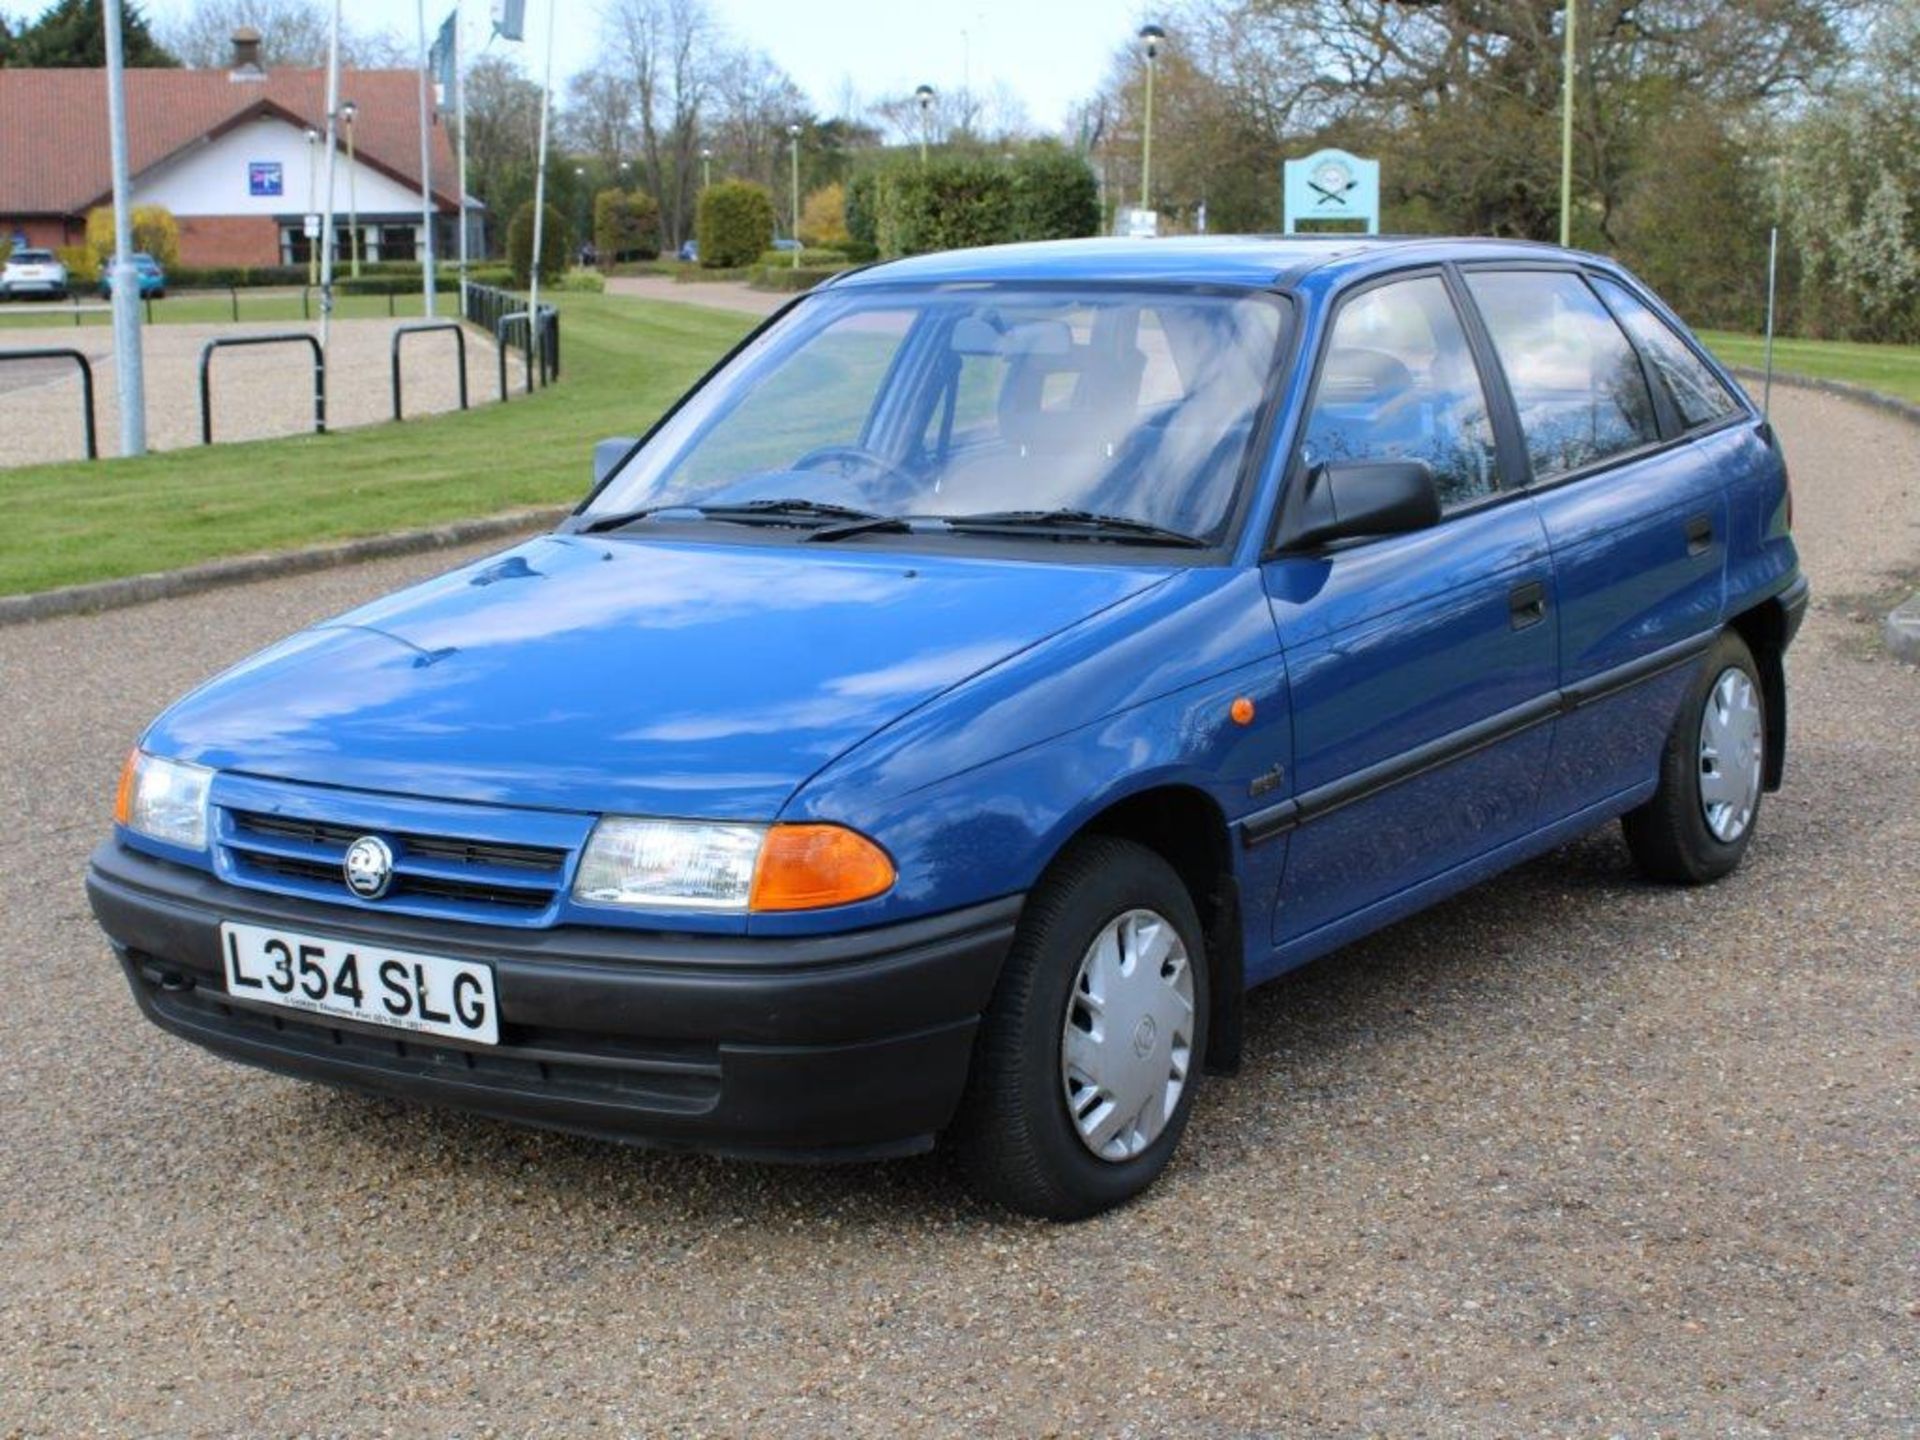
1570 1155
256 392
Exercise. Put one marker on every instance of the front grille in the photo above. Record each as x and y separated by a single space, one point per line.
450 875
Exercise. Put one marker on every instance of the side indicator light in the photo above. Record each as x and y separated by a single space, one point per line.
809 867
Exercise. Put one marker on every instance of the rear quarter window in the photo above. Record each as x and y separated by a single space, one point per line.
1697 392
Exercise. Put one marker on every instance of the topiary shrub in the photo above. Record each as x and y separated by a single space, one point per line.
949 204
735 224
556 245
823 219
626 226
1055 196
155 232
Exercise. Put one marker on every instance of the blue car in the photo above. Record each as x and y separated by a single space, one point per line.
153 280
939 719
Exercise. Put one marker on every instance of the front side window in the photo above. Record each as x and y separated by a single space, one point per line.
1576 382
1697 392
1399 383
964 401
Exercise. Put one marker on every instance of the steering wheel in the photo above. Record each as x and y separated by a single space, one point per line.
845 455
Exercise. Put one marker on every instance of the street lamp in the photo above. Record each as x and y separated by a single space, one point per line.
580 186
793 134
925 96
1151 39
347 111
706 167
307 220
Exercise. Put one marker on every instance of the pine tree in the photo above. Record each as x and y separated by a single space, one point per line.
72 34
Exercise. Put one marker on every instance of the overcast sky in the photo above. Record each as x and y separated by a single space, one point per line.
1050 52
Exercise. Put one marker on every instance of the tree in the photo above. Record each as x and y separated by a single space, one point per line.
503 133
556 245
598 119
292 33
626 226
72 35
667 47
736 224
823 218
155 233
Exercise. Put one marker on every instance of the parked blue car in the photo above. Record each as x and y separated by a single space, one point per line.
943 715
153 279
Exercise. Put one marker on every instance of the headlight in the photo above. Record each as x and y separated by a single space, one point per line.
164 800
692 865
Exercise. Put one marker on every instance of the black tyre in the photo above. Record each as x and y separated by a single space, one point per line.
1699 822
1089 1054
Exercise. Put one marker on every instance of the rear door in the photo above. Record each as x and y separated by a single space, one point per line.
1421 666
1635 513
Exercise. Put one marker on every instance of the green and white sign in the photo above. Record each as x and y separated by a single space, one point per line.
1332 185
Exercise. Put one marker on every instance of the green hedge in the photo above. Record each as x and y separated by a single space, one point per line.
735 224
810 256
901 207
556 245
787 277
193 277
626 226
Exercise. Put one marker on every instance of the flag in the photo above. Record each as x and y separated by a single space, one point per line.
443 60
510 19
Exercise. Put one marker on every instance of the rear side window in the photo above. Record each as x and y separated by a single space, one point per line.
1399 383
1577 384
1697 392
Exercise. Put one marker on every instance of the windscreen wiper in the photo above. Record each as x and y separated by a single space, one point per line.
1068 524
747 512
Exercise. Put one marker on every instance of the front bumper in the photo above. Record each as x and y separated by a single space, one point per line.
840 1046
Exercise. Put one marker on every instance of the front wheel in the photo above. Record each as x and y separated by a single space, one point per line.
1084 1073
1712 775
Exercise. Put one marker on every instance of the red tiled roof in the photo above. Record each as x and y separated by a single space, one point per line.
53 126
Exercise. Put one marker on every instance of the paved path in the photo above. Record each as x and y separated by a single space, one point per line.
1571 1155
718 294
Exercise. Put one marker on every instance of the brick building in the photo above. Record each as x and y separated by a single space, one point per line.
237 155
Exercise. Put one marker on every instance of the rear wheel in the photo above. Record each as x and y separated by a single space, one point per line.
1712 775
1084 1073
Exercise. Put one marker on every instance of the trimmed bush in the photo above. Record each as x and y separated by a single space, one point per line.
155 232
1055 196
583 281
859 209
556 245
626 226
83 266
735 224
810 256
823 218
195 277
788 278
948 205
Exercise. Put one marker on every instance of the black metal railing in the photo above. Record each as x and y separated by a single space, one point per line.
86 385
430 327
503 315
283 338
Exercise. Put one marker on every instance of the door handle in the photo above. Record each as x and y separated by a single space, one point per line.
1699 535
1527 604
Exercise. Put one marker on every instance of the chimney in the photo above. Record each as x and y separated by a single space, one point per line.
246 55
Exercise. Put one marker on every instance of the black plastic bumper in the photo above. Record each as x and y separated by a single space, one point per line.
824 1047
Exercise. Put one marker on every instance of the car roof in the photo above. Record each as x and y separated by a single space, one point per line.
1262 261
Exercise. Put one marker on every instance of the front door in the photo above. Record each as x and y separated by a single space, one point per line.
1421 666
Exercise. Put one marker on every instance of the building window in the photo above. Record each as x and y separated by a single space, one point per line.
398 242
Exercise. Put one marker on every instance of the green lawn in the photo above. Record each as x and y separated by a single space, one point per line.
625 360
1890 369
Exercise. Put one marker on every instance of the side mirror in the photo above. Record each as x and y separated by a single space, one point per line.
1357 498
608 454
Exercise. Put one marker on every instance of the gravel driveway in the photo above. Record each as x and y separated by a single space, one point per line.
1570 1155
257 393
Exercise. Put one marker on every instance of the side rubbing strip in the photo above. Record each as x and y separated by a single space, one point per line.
1458 744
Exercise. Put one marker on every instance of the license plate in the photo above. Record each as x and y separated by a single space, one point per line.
428 994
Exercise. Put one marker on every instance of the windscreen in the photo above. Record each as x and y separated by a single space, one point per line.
957 401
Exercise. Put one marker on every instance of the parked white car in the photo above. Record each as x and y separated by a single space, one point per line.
33 272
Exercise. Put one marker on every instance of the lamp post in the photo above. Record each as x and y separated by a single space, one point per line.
306 221
706 167
580 185
1151 38
347 111
1566 133
793 134
925 96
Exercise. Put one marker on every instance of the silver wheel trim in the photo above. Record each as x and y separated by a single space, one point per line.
1732 751
1127 1044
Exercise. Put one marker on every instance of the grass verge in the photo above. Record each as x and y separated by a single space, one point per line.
626 360
1890 369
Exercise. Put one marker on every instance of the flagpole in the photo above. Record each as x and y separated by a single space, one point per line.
539 206
426 164
129 374
460 119
333 151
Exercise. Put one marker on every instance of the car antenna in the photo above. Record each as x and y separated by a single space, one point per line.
1773 256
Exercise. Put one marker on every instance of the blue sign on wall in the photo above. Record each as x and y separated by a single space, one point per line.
264 177
1332 185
